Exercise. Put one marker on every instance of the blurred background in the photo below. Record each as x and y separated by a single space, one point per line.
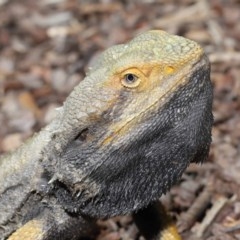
45 48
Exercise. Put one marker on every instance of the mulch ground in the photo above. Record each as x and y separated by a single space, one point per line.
45 48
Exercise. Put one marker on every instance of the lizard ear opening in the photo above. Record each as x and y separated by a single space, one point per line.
82 135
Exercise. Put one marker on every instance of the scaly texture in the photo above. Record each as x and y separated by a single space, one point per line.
123 137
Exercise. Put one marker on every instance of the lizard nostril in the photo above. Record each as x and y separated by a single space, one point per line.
169 69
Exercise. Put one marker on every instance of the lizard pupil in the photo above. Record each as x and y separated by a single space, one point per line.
130 78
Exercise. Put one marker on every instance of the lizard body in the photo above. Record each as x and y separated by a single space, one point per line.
123 137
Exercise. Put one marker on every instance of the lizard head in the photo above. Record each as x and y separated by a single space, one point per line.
133 125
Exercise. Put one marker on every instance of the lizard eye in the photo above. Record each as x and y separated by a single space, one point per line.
130 80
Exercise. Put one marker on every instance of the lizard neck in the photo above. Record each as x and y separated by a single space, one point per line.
21 171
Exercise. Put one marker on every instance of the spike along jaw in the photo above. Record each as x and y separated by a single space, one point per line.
152 101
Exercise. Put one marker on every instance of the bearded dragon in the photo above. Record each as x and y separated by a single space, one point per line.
121 139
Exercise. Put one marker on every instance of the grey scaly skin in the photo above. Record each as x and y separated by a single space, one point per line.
123 137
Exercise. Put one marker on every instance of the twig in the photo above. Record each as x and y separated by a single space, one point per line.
99 8
200 204
215 31
198 12
225 57
2 2
210 216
